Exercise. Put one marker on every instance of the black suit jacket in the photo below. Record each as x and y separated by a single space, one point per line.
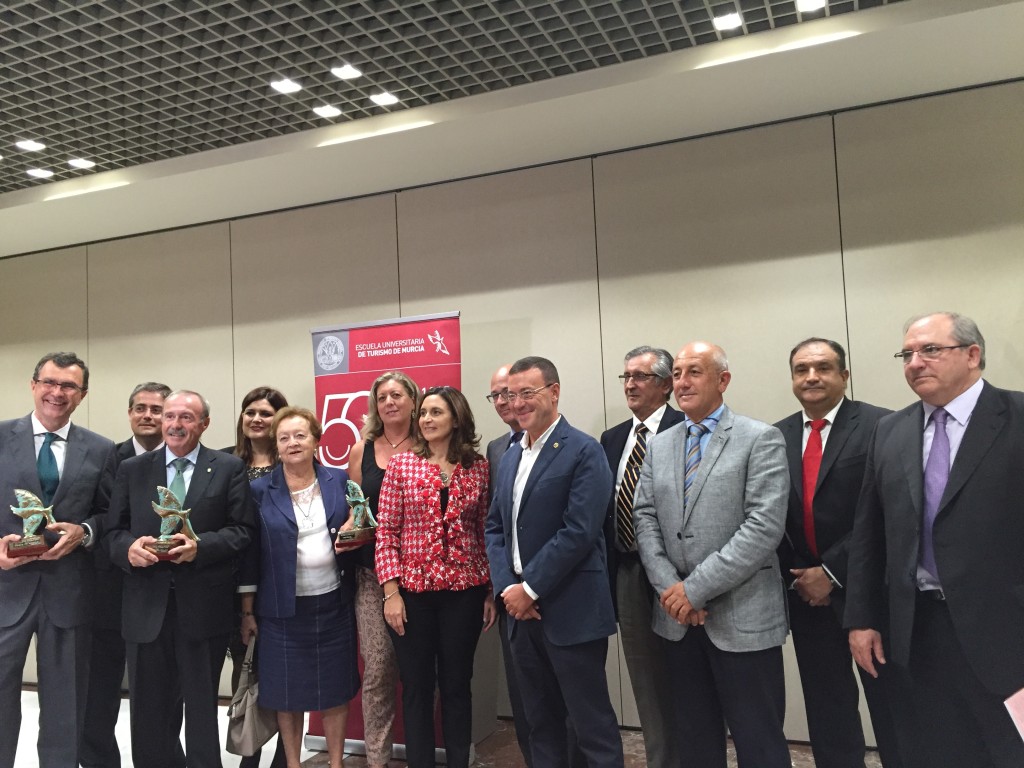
223 516
613 441
978 537
835 495
66 585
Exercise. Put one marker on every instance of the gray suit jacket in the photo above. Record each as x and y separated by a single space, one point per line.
722 544
66 585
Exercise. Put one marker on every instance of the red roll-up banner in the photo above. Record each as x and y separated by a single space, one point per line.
346 361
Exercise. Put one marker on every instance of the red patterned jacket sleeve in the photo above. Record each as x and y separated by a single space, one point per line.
390 516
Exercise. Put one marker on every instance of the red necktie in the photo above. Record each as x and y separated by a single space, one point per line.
812 463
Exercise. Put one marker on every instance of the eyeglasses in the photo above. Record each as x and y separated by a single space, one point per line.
639 378
927 352
527 394
67 387
496 396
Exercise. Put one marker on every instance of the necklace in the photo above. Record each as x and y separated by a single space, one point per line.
307 521
446 474
393 445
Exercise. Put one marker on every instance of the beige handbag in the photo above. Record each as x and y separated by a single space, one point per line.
250 726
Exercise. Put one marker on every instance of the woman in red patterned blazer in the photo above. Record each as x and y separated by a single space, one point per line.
432 565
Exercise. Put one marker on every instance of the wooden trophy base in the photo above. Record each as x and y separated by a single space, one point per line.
28 546
357 535
160 548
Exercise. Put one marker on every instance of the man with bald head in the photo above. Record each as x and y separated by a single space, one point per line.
709 513
938 548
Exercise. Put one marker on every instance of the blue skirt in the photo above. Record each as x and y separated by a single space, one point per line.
307 662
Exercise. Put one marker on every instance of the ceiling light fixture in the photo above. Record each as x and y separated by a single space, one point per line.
81 162
285 86
346 72
809 6
727 22
327 111
30 146
384 99
39 173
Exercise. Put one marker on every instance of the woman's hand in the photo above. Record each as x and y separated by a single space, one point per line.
490 611
394 609
249 629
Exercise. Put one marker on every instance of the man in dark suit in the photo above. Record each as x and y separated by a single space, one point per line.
177 614
498 397
938 540
99 747
647 382
545 544
826 445
50 595
709 513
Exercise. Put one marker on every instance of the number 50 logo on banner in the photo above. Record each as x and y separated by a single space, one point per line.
348 359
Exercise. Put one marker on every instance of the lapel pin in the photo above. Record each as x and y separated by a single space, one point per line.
209 469
555 445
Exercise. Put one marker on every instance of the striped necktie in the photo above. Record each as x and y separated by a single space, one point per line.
624 533
695 432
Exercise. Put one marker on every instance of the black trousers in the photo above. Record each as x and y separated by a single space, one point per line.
831 698
713 687
436 652
172 671
961 722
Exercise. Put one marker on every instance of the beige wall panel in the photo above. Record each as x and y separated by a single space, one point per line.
302 269
733 239
30 328
514 253
933 219
160 310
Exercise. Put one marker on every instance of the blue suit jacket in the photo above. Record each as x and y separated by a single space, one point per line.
560 532
65 585
271 560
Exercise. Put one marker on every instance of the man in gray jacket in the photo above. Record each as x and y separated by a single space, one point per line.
710 511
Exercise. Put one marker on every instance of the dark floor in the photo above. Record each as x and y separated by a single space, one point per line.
500 750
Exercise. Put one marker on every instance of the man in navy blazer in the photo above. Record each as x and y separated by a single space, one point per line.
829 437
545 544
938 548
50 595
99 748
647 383
177 614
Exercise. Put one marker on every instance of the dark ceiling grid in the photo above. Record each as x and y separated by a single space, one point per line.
126 82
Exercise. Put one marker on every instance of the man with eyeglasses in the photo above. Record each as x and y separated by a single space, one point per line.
647 384
545 544
50 595
938 548
498 397
709 513
99 748
826 446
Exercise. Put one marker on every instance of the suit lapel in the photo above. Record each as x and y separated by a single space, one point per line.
201 476
911 441
845 425
551 449
716 445
281 500
330 489
23 454
987 420
74 457
792 432
617 444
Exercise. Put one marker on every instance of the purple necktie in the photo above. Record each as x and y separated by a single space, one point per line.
936 473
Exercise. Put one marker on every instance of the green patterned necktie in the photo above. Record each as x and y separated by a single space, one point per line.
46 465
178 483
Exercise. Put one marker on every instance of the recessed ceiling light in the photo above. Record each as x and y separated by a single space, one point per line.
806 6
29 145
728 21
39 173
327 111
384 99
285 86
346 72
81 162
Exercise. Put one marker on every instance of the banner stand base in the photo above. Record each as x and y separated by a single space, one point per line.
358 747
